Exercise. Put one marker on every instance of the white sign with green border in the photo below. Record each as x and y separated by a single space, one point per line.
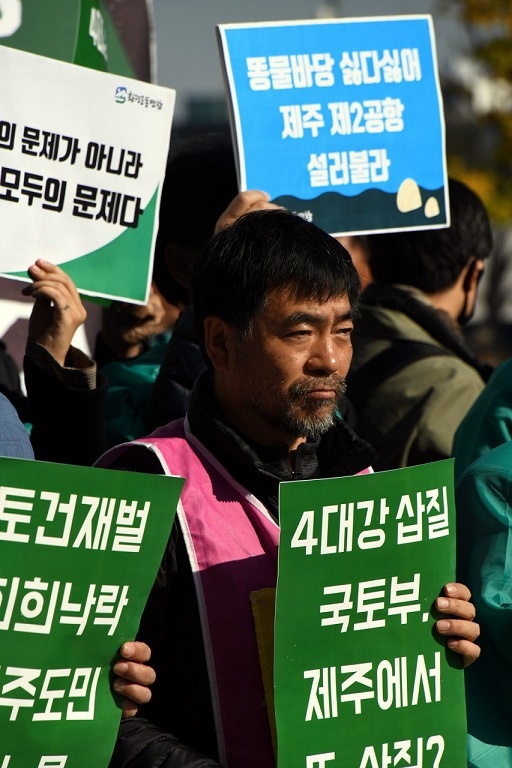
82 162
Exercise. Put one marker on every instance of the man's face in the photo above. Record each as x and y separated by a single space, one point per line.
289 375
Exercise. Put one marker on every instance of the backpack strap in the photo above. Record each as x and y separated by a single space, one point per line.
388 362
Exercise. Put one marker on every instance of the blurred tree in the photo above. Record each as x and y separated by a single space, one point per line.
479 140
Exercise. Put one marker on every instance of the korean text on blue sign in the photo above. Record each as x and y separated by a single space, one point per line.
340 120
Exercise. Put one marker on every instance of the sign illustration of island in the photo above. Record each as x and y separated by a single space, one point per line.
340 120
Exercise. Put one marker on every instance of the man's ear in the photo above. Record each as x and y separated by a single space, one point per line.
474 272
219 338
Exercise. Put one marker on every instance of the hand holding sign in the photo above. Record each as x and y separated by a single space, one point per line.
58 310
133 676
244 202
459 626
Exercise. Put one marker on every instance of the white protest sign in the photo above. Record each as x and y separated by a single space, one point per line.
82 161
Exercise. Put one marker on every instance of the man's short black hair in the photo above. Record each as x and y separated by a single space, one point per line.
260 253
433 259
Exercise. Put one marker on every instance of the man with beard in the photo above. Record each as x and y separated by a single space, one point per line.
274 299
413 379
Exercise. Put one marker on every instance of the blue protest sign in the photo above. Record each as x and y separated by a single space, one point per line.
340 120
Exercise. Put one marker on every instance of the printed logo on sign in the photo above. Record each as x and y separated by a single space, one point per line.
10 17
121 94
143 101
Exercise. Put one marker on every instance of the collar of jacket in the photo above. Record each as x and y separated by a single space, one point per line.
260 468
405 300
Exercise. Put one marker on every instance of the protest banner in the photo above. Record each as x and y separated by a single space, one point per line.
76 31
80 32
80 549
340 120
361 679
82 162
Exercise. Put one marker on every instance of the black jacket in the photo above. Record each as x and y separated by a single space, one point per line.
68 423
181 703
183 362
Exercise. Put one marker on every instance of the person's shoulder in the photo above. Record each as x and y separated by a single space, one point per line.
486 484
500 381
496 461
14 438
447 367
132 457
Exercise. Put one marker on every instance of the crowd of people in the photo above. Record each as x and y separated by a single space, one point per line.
256 360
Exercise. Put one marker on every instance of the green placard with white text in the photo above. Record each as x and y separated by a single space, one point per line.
79 552
361 678
77 31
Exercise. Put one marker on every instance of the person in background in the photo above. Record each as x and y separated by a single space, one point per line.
412 378
488 423
140 334
483 495
357 246
65 391
129 330
200 184
151 382
482 450
14 440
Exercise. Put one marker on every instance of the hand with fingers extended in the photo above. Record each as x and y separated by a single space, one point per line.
459 627
244 202
58 310
133 676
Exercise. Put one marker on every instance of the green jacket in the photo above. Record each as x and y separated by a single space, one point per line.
489 421
484 554
410 418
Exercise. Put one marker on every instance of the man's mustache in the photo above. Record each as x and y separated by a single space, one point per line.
314 383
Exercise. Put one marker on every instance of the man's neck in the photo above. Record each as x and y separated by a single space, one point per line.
254 427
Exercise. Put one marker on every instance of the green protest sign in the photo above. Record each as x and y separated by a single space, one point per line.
361 680
76 31
79 551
